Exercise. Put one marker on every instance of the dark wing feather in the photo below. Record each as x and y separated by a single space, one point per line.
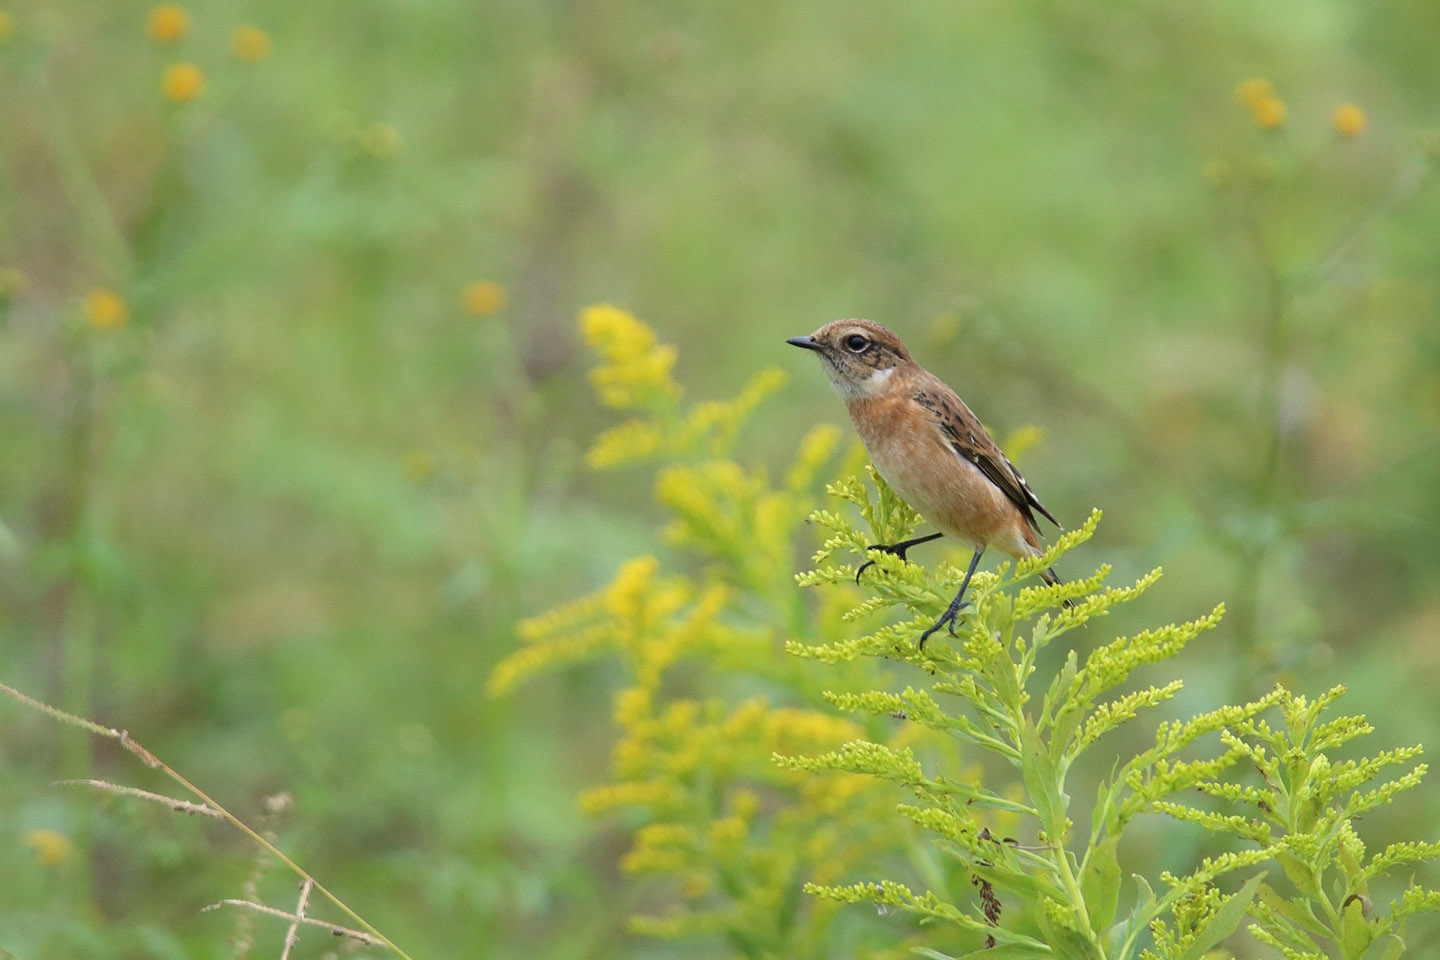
969 440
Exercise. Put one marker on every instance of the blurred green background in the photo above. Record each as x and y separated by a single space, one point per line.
276 509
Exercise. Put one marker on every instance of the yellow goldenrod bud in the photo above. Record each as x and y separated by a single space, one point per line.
1253 91
7 28
182 82
1348 120
482 298
167 23
249 44
1269 113
52 848
104 310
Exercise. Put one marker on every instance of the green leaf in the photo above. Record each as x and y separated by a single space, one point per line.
1226 919
1066 943
1140 915
1298 872
1101 884
1030 886
1388 947
1297 911
1355 931
1041 780
1059 686
1010 951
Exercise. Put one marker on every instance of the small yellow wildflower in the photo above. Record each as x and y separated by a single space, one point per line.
7 28
182 82
482 298
380 140
1253 91
249 44
1348 120
12 284
1269 113
104 310
167 23
52 848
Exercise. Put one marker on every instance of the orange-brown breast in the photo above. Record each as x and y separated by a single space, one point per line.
913 456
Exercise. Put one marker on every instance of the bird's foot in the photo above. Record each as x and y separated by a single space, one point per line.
947 619
894 549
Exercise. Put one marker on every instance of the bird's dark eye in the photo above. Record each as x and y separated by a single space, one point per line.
856 343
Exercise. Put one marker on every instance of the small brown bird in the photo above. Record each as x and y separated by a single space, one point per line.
930 448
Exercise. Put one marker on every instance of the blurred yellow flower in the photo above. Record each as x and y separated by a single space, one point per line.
104 310
380 140
167 23
182 82
7 28
1348 120
249 44
12 283
482 298
1253 91
1269 113
636 369
52 848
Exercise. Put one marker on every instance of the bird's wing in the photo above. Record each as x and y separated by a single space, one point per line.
962 430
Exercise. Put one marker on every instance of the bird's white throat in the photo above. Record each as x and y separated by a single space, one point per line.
851 388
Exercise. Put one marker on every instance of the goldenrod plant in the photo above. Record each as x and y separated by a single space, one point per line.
840 753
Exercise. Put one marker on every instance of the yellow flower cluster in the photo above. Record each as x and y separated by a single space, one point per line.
168 24
635 371
1258 94
734 832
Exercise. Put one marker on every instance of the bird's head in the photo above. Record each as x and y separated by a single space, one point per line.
860 357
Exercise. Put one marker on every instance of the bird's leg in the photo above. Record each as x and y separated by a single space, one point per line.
948 617
895 550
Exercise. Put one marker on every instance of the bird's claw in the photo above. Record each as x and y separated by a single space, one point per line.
895 550
947 619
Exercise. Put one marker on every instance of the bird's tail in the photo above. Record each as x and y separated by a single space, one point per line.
1051 577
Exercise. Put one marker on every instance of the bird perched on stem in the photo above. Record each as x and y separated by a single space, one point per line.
930 448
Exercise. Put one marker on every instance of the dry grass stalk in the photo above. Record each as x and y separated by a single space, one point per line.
335 929
179 806
294 931
372 936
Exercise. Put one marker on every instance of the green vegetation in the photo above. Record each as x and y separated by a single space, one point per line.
293 426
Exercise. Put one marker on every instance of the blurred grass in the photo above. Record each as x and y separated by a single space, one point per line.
279 523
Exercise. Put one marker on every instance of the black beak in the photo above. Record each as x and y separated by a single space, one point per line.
807 343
